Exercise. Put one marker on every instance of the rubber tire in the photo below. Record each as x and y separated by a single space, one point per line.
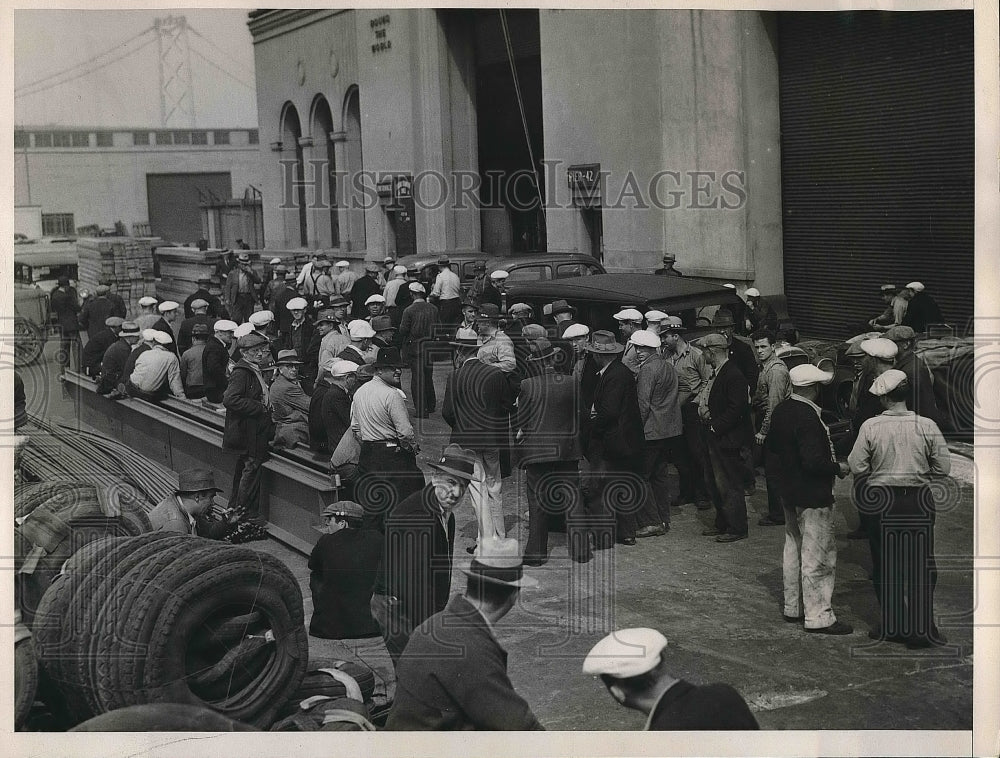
162 717
29 342
240 666
316 682
228 632
25 680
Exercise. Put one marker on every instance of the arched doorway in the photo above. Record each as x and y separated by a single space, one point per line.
353 196
326 219
293 203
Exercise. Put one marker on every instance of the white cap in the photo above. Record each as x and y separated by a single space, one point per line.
261 318
274 261
162 338
399 269
149 335
168 305
342 368
147 301
360 329
297 304
416 287
887 381
915 286
806 375
519 307
374 299
576 330
752 292
243 330
342 264
880 347
644 338
657 316
729 285
499 274
626 653
225 325
629 314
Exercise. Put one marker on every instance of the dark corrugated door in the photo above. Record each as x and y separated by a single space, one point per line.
173 199
877 141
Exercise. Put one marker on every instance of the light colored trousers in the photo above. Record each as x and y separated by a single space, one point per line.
485 494
810 563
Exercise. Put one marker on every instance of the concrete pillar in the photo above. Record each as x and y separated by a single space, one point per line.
339 140
312 174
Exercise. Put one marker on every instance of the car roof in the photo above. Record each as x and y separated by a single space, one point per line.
644 291
494 262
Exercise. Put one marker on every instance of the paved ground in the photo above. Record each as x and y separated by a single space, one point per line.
720 607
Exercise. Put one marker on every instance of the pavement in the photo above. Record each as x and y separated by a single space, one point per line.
719 605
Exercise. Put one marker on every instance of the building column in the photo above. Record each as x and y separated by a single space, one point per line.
339 140
314 194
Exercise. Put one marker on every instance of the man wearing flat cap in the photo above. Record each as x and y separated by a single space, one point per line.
495 290
199 315
918 376
416 328
215 360
895 308
182 511
897 457
203 293
93 351
297 334
96 311
453 673
114 358
249 428
193 361
921 310
168 323
289 404
363 289
330 405
447 293
634 667
157 372
880 355
344 279
806 465
119 308
414 576
495 347
241 284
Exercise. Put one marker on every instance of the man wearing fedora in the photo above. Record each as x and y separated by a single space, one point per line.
564 315
241 285
669 259
613 443
495 347
548 442
387 470
289 404
337 336
477 404
416 328
414 576
447 293
739 351
192 500
453 674
248 428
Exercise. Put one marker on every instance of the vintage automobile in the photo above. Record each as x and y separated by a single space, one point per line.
523 267
31 318
38 264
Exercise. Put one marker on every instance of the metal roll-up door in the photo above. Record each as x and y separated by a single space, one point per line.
877 150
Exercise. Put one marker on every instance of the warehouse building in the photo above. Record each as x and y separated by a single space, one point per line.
815 154
154 181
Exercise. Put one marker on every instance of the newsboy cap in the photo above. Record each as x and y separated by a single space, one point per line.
626 653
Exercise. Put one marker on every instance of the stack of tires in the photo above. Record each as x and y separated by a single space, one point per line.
166 618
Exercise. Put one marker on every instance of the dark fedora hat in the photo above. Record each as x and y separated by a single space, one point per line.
388 357
326 315
382 323
561 306
488 312
723 317
339 301
456 461
498 561
287 358
604 343
541 349
199 330
196 480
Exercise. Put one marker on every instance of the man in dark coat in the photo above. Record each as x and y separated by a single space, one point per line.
759 312
215 361
739 351
547 423
477 404
453 674
725 413
613 442
66 306
633 667
335 406
363 288
669 259
199 315
297 334
118 307
918 376
167 323
93 351
414 577
96 311
800 442
921 310
279 304
416 327
493 290
202 293
248 427
113 361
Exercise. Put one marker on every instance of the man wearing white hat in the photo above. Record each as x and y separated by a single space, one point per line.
169 322
114 358
633 666
494 291
629 321
922 310
576 338
359 350
375 304
330 405
395 280
149 315
299 331
157 373
655 321
806 466
199 315
880 356
437 689
364 289
215 360
344 278
263 322
759 312
896 458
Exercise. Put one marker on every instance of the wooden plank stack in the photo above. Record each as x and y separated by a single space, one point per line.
126 261
182 267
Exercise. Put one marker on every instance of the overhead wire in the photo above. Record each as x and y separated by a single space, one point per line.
216 66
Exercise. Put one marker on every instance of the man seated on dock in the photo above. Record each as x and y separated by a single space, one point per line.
157 372
113 361
289 404
215 360
93 351
192 363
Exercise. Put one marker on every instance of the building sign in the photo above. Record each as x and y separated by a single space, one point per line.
380 34
585 184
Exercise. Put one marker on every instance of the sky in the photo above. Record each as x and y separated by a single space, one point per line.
125 93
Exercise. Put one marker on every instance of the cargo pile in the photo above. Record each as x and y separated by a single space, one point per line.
181 268
126 261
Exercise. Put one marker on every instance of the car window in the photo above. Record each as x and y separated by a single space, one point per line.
528 274
566 270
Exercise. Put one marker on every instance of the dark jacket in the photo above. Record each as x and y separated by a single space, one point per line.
746 360
131 358
729 408
363 288
112 365
93 351
317 428
763 317
921 310
303 333
214 305
802 446
921 398
491 295
65 305
248 420
310 361
710 707
214 362
344 565
95 312
615 433
163 326
417 556
416 324
477 406
548 412
184 340
335 411
453 676
281 313
118 307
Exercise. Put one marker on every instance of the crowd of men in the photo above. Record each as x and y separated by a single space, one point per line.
315 359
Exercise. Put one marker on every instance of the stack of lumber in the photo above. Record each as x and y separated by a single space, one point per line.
126 261
182 267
